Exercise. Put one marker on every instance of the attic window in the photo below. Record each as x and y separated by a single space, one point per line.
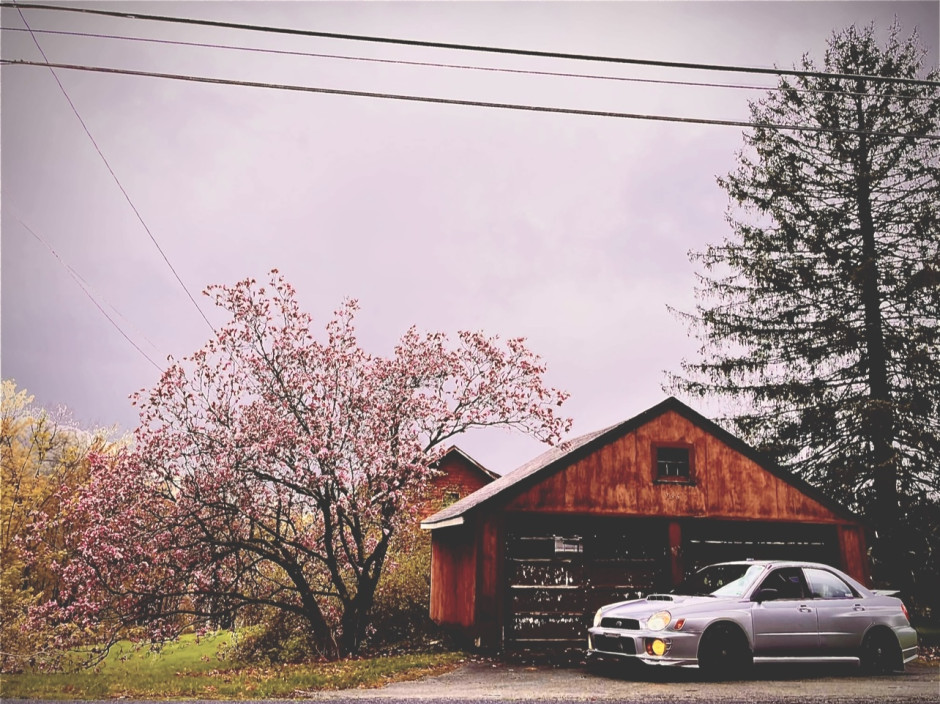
673 463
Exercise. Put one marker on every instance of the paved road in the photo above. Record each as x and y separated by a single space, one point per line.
484 681
481 682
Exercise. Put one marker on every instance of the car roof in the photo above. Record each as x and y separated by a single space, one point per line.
775 563
799 563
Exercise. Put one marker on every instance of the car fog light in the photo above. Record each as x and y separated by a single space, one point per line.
655 646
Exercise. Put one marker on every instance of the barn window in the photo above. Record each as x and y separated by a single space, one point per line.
566 545
673 463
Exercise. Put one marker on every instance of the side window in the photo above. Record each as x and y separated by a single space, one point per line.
788 581
826 585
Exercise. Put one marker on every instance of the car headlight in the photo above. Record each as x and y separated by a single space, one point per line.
658 621
598 616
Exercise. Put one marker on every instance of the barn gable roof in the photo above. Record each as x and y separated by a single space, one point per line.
571 450
455 451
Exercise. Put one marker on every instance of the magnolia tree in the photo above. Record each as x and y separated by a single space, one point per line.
273 466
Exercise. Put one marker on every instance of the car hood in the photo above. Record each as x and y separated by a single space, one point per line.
674 603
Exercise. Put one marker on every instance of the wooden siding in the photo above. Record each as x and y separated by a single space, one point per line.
618 479
454 577
456 477
854 552
489 606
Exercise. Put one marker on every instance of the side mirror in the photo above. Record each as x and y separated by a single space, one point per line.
766 595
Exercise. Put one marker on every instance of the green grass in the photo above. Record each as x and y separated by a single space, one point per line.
191 668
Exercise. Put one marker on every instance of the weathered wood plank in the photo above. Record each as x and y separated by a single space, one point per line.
453 577
619 479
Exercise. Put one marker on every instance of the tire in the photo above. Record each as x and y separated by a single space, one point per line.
723 652
881 654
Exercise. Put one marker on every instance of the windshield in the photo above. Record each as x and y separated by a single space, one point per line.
720 580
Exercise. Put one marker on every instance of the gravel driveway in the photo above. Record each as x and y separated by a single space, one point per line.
482 680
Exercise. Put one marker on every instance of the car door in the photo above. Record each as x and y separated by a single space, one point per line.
785 621
841 614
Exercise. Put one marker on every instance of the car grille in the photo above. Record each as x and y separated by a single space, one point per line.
613 644
627 624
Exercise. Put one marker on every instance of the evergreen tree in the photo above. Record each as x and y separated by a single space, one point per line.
819 316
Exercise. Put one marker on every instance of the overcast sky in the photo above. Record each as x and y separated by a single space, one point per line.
570 230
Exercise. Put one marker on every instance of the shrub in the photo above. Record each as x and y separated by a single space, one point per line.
283 638
402 598
400 615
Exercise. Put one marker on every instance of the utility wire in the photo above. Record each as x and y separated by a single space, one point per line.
472 103
466 67
127 197
473 47
83 285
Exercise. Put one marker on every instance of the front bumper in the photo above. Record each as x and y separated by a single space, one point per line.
681 649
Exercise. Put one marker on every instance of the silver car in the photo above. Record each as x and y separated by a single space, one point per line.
727 616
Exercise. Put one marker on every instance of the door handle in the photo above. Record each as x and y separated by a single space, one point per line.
858 607
805 609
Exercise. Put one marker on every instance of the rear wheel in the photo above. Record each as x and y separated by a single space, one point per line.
723 652
881 654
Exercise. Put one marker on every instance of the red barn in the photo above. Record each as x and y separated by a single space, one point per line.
457 475
528 558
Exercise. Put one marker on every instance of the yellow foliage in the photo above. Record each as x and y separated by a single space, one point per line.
41 456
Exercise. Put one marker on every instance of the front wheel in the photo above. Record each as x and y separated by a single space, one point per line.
881 654
723 652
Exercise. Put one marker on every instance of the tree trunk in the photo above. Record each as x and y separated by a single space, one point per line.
879 416
319 628
357 612
356 620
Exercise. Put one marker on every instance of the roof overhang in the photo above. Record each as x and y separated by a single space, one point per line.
571 451
447 523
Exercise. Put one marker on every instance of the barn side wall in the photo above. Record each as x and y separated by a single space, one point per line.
854 552
455 478
454 577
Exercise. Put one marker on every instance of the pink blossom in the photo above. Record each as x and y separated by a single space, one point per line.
273 466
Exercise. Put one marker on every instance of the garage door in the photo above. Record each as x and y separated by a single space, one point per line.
721 541
560 573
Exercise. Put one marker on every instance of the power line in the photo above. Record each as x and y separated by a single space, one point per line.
466 67
110 170
473 47
470 103
82 284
